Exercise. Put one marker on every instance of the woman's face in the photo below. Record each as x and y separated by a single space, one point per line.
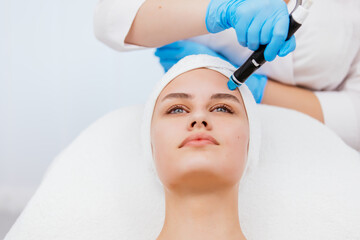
199 132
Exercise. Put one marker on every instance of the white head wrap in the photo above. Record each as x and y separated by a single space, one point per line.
190 63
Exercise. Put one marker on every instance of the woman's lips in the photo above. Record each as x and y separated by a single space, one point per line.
199 139
198 143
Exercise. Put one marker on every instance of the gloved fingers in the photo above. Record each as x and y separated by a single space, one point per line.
170 53
167 64
252 80
162 51
273 48
255 28
159 52
288 47
256 84
242 27
281 27
266 31
278 38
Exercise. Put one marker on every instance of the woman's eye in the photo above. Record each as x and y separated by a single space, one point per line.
180 109
176 110
222 108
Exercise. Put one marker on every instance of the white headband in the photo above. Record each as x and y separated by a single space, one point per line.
184 65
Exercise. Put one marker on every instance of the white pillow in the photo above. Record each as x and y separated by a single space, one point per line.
307 185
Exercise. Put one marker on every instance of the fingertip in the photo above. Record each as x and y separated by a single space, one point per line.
284 50
288 47
271 51
283 53
264 40
292 43
157 52
253 47
269 56
253 42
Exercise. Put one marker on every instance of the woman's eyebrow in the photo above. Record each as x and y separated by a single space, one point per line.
214 96
177 95
225 96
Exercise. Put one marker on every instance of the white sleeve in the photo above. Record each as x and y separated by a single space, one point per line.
112 21
341 108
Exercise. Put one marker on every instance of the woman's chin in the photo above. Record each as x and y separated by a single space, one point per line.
199 178
195 156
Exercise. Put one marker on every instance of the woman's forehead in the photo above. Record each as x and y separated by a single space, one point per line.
199 82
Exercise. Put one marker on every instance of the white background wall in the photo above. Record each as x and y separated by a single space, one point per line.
55 80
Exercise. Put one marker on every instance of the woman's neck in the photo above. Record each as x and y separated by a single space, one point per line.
209 215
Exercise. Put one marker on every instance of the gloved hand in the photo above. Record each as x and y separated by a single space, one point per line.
256 83
255 22
173 52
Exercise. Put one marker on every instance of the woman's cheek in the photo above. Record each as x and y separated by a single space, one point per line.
238 133
166 133
242 138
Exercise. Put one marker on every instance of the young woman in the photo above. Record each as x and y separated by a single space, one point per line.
201 139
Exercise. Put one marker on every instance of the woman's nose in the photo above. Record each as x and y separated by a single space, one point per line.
194 123
199 121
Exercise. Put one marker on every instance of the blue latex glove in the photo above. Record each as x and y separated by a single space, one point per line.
256 83
255 22
173 52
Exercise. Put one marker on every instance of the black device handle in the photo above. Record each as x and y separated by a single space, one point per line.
257 59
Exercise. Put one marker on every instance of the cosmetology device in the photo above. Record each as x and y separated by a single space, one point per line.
257 59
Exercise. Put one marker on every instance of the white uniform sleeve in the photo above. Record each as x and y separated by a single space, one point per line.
112 21
341 108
